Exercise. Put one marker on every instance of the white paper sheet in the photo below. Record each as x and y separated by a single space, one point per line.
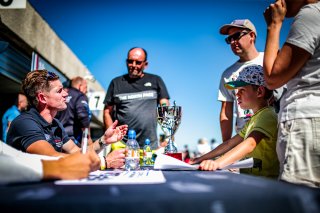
118 177
247 163
166 162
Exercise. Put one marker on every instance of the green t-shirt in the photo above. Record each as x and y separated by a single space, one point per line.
264 154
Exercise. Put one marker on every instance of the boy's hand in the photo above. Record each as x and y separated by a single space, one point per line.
209 165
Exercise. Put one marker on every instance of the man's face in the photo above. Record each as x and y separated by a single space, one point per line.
22 102
56 97
240 41
136 63
83 87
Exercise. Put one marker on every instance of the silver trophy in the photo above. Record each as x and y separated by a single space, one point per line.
169 118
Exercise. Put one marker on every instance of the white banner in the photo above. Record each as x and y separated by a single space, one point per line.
13 4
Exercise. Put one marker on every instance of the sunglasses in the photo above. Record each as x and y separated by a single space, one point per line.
130 61
236 36
51 75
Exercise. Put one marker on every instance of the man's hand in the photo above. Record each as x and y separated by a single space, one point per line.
74 166
209 165
116 159
115 133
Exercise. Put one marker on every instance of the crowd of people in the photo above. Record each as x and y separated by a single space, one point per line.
273 93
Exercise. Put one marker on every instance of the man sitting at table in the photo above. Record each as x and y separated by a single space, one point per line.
258 137
37 131
19 167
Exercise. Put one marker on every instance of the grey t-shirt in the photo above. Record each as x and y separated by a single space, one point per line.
303 95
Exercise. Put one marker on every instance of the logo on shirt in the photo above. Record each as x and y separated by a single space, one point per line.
48 137
68 99
148 84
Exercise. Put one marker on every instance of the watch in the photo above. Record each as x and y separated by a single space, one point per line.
101 142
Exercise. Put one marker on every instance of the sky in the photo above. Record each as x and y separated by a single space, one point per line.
182 40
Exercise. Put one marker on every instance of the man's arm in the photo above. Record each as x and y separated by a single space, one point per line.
219 150
235 154
107 116
226 120
43 147
280 67
74 166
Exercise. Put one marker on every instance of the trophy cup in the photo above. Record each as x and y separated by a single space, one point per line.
169 118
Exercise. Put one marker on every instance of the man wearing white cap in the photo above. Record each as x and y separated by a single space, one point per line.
241 38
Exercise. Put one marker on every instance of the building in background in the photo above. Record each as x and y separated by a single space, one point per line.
27 42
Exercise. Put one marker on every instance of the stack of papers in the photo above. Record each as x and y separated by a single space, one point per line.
165 162
118 177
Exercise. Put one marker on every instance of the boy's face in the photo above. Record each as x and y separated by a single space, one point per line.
247 97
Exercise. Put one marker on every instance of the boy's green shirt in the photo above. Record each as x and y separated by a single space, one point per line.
264 121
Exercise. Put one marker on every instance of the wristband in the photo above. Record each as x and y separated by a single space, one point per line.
103 164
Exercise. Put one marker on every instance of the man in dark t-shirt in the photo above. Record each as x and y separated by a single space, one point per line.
133 98
38 132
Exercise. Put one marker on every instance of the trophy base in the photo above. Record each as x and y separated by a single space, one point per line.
177 155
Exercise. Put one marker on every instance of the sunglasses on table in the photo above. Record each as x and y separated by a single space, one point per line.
130 61
236 36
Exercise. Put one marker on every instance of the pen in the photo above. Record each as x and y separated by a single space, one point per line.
84 146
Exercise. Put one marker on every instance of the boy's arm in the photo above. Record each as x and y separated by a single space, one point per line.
237 153
219 150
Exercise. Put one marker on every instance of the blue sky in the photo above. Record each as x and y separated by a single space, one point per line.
182 39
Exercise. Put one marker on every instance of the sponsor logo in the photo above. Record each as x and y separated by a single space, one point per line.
148 84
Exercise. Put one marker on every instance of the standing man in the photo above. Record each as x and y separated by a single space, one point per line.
297 64
77 116
133 98
38 132
12 113
241 38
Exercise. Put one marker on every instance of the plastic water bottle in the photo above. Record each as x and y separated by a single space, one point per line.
132 160
147 153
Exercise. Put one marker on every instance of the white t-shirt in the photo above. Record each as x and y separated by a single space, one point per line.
16 166
225 95
303 95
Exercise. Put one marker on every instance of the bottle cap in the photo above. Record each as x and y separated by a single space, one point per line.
147 141
131 134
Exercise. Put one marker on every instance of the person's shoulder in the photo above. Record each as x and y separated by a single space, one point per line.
24 118
151 76
232 68
120 77
268 114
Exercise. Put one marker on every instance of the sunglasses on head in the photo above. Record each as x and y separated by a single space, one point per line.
51 75
236 36
130 61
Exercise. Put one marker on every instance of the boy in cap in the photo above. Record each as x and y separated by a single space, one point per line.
258 137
